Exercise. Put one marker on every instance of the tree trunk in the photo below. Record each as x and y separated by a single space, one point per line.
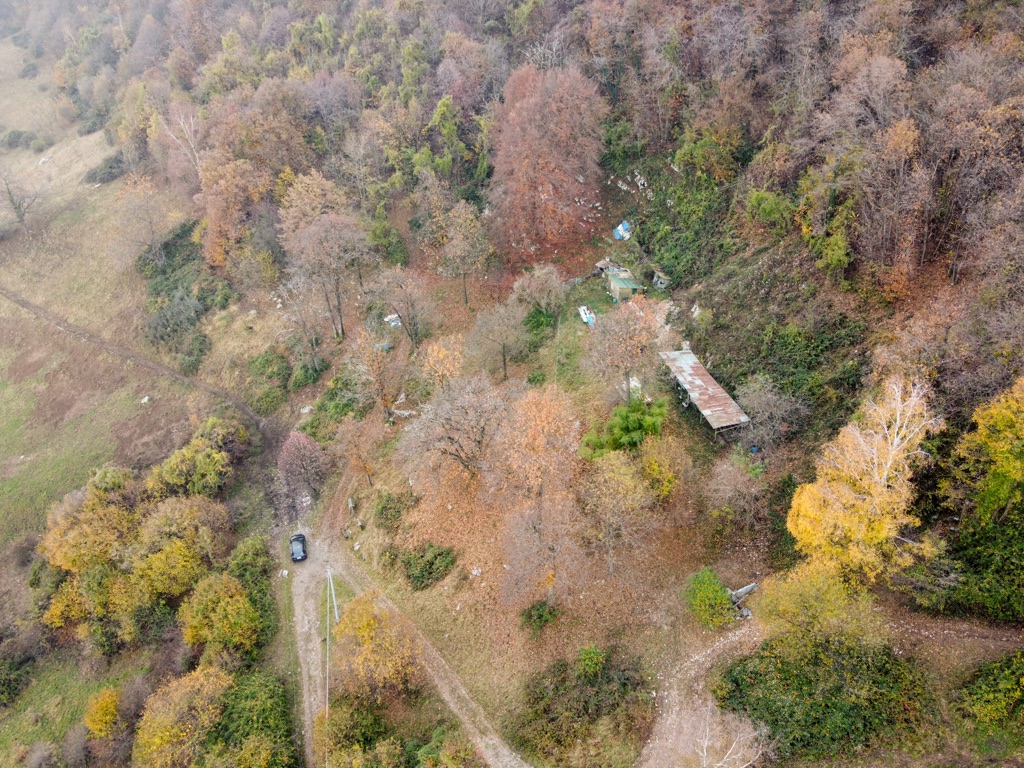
330 310
337 304
465 294
629 389
504 362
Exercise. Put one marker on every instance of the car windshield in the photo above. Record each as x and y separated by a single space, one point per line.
297 548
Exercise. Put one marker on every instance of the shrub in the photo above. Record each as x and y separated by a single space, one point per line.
708 600
101 712
269 374
306 374
626 428
825 697
14 676
219 613
539 324
110 168
198 469
266 400
774 211
252 565
195 350
389 508
427 564
29 70
996 695
537 616
227 433
564 711
257 708
536 378
40 144
341 397
16 138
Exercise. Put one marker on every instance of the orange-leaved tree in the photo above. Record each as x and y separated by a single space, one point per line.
548 140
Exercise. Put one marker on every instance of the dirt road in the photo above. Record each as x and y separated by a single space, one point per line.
682 700
127 354
308 581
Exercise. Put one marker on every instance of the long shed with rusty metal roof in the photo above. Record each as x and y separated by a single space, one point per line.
714 403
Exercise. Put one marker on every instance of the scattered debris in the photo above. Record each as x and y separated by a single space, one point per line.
145 400
587 316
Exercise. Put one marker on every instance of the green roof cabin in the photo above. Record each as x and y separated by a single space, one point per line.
621 285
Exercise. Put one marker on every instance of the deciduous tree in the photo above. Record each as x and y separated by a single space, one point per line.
378 657
623 341
178 718
219 613
457 426
499 330
619 505
857 512
535 461
464 248
539 189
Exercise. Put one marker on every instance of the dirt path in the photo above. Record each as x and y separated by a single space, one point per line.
682 700
127 354
308 581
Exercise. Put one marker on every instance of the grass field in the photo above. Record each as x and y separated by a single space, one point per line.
55 701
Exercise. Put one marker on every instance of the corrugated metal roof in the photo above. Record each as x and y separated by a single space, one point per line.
707 394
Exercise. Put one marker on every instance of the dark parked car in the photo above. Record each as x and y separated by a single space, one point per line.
298 548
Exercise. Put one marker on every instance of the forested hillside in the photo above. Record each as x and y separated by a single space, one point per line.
369 225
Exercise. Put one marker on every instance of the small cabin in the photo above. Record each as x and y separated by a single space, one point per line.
621 284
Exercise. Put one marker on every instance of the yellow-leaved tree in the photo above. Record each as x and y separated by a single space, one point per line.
856 514
178 717
378 658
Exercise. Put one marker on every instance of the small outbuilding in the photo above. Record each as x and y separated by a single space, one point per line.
621 284
721 411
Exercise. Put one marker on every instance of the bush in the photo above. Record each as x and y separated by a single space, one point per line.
14 676
40 144
827 697
774 211
195 350
708 600
173 319
341 397
626 428
427 564
109 169
306 374
15 139
538 616
101 712
269 375
29 70
536 378
389 508
591 704
996 695
257 708
252 565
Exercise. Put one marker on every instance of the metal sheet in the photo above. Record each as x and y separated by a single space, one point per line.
711 400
